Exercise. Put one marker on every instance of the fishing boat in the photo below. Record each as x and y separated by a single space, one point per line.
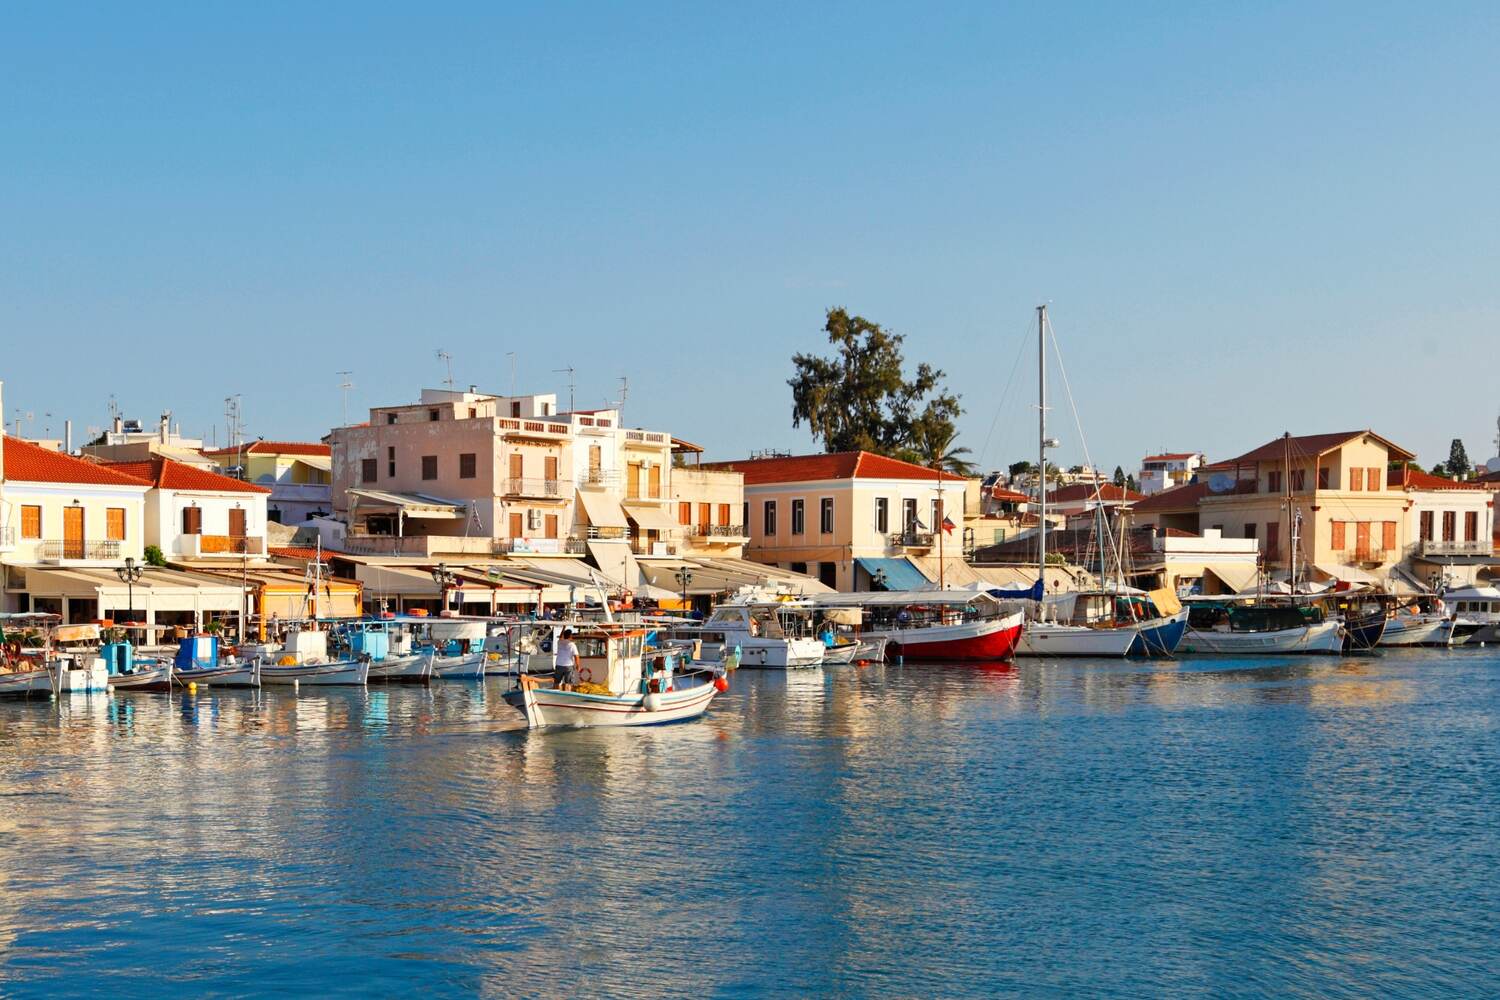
621 684
1476 612
936 625
1417 629
769 634
142 677
23 655
458 648
389 642
1226 627
304 660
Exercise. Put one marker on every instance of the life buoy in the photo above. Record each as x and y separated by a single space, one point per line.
586 675
546 644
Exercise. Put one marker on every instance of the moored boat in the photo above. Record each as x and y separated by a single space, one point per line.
1220 628
936 625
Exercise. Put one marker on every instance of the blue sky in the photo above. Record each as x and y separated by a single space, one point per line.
1244 220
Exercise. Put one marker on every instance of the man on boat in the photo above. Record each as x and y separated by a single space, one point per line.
565 664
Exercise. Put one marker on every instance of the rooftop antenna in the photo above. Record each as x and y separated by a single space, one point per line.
345 383
446 359
619 404
569 371
233 428
114 409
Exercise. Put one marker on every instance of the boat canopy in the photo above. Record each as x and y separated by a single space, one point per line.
898 598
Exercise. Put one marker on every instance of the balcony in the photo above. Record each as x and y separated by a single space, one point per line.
548 488
1362 554
912 540
717 532
599 479
596 533
7 538
540 546
544 430
357 543
211 546
97 550
647 439
1452 548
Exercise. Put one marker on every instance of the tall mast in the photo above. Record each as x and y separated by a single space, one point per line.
1041 445
1291 527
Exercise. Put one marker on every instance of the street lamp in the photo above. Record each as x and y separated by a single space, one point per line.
685 578
129 574
444 579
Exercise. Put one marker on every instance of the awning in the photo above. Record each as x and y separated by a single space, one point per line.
616 563
602 509
1349 574
409 504
1235 578
893 574
650 516
157 589
381 581
323 463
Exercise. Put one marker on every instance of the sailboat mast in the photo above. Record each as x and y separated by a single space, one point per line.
1041 445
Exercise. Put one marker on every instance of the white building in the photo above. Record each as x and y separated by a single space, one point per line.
1162 472
1450 525
194 514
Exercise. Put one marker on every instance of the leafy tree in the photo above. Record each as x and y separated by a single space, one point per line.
1440 470
1458 458
862 398
1020 468
934 448
154 556
1131 484
1119 479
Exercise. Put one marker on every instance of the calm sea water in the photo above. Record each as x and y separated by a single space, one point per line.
1271 827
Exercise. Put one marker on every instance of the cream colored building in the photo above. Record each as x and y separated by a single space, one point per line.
708 506
297 473
1449 529
848 518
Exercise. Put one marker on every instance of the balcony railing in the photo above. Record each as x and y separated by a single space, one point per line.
1453 547
913 539
599 479
533 487
643 492
595 532
196 546
96 550
1365 554
533 428
7 537
540 546
457 545
716 530
647 437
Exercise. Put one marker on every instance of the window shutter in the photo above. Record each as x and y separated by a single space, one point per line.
1388 536
1336 535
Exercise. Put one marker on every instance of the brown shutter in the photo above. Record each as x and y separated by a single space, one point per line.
1336 536
551 468
655 482
1388 536
237 523
551 525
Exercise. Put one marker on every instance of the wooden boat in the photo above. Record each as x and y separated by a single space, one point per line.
349 673
34 683
143 677
1404 629
1225 628
413 668
238 674
769 634
623 685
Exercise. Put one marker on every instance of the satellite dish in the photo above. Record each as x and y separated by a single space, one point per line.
1220 482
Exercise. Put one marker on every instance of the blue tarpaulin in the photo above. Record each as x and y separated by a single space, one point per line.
894 574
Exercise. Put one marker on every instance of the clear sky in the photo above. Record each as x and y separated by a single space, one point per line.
1246 218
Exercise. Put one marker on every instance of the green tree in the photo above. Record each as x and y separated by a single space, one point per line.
1019 468
1440 470
934 448
862 398
1458 458
153 555
1119 479
1131 484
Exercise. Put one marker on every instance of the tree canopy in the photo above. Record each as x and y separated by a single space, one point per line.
1458 459
862 398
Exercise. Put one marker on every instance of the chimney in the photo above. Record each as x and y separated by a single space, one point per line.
119 425
67 437
166 427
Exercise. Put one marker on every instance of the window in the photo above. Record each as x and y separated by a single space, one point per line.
237 523
515 408
770 519
909 514
799 518
114 524
882 515
1336 536
1273 539
1273 481
473 412
723 513
517 470
1299 480
390 418
31 521
551 529
1322 477
1355 481
429 466
549 470
937 515
1471 526
799 567
468 465
654 477
390 461
1388 535
825 516
596 464
828 574
745 515
1424 519
432 415
1250 530
1372 480
192 521
367 470
684 513
1450 526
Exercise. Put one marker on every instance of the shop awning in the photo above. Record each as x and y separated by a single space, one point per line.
409 504
616 563
650 516
323 463
896 573
602 509
157 589
1234 578
381 581
1349 574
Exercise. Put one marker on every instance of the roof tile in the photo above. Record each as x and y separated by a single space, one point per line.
835 465
29 463
164 473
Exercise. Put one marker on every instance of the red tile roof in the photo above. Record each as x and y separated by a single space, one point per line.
273 448
1312 444
1416 479
164 473
836 465
307 554
1171 456
28 463
1178 498
1108 492
1004 494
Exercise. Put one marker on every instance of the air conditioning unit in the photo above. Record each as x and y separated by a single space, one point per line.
533 520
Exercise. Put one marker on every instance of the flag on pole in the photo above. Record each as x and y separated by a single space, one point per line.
948 524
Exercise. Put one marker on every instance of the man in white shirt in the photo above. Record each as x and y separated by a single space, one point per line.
565 663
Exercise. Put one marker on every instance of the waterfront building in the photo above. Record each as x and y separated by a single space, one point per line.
193 514
297 473
709 506
1083 499
1169 469
854 520
1449 528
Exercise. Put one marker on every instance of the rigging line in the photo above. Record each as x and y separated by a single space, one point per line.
1078 423
1004 395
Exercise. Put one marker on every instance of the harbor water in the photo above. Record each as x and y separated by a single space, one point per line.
1277 827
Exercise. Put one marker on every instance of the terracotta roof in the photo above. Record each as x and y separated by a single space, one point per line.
274 448
1312 444
836 465
1171 456
1003 493
1416 479
165 474
307 554
1178 498
1085 491
27 463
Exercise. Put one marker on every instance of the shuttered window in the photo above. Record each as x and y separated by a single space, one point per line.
31 521
1471 526
1372 480
1336 536
684 513
367 470
551 525
114 524
192 521
723 513
1356 481
1388 535
467 465
1450 526
1425 521
429 466
655 475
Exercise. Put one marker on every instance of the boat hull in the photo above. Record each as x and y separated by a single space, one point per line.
1160 636
1362 634
841 654
26 684
1047 639
1417 630
1321 638
414 669
546 707
986 640
342 673
771 654
158 678
469 667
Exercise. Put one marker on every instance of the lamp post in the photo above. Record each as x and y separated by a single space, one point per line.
444 579
129 574
685 578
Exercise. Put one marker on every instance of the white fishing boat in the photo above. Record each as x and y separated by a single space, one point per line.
458 649
1041 638
621 684
769 634
238 673
24 652
1217 627
304 660
390 644
1418 630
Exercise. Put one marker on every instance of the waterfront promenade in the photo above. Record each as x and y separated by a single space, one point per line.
1277 827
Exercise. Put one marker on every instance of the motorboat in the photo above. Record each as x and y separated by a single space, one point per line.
769 634
937 625
304 660
1227 627
389 643
458 648
1476 612
1417 629
621 683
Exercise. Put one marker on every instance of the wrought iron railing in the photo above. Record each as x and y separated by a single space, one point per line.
533 487
1453 547
80 549
913 539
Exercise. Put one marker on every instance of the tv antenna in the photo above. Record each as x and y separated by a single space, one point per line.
569 371
619 404
345 383
446 359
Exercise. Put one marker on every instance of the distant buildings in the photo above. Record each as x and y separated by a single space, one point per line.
1162 472
298 475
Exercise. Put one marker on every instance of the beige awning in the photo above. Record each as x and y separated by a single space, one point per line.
1349 574
616 563
602 509
323 463
157 590
409 504
381 581
650 516
1236 579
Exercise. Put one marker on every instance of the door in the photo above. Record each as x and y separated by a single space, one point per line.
551 474
655 482
517 470
72 532
551 525
596 463
517 525
236 523
1362 540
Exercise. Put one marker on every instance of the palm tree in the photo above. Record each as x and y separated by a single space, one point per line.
933 445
